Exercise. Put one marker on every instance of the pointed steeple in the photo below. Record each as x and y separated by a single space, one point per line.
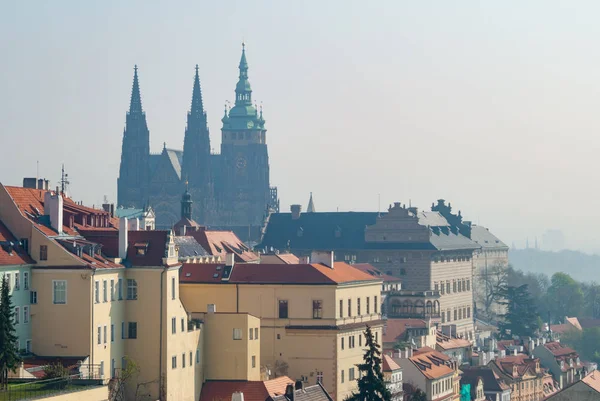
243 91
197 106
186 203
311 205
136 99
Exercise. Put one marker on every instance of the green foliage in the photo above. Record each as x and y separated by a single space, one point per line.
419 395
55 371
521 317
565 297
9 352
586 343
371 386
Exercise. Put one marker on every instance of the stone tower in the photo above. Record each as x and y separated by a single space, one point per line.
133 172
244 158
196 150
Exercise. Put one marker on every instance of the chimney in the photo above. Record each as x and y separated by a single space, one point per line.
211 308
289 392
53 207
112 210
304 260
106 207
229 259
237 396
324 257
123 242
413 210
134 224
299 385
30 183
296 210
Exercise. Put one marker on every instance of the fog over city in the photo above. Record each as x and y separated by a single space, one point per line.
493 107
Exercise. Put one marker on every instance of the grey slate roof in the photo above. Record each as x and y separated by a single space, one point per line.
130 213
346 230
310 393
189 247
486 239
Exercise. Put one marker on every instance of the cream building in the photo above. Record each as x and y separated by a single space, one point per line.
312 316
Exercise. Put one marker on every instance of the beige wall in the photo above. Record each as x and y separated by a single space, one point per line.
92 394
577 392
227 358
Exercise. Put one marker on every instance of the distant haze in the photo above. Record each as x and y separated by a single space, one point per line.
492 106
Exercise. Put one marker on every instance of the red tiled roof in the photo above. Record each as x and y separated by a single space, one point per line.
396 328
253 390
593 380
431 363
561 328
275 273
373 271
17 255
557 349
220 243
445 342
389 364
523 362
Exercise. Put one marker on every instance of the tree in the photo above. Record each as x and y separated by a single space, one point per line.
9 352
565 297
371 386
419 395
119 385
521 317
489 290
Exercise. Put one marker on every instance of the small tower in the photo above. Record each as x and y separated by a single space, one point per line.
311 205
186 204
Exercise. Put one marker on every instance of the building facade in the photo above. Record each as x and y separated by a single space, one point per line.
231 189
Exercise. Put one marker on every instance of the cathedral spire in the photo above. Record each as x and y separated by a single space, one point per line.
311 205
136 99
197 105
243 91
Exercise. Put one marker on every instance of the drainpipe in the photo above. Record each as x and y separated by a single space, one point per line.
160 346
91 363
237 298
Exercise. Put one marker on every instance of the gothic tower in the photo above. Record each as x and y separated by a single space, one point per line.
196 149
244 176
133 173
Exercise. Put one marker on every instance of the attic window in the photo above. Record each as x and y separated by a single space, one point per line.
188 274
141 248
215 275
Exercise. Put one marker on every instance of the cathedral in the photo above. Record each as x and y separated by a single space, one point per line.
230 190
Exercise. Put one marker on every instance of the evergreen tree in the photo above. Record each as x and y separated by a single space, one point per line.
419 395
371 386
9 354
521 317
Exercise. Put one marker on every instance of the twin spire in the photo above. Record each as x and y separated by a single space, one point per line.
136 100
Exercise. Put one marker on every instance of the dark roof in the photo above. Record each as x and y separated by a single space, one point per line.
189 247
486 239
490 381
254 273
309 393
346 230
154 243
252 390
373 271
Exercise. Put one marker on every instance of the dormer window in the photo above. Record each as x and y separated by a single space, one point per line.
141 248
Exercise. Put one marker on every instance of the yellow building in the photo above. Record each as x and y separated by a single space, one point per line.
312 316
86 304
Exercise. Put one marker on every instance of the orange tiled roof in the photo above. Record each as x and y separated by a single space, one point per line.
220 243
396 328
389 364
252 390
445 342
275 273
593 380
431 363
11 255
523 363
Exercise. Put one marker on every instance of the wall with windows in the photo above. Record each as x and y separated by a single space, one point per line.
231 346
19 283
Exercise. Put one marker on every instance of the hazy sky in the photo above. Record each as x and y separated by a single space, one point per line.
490 105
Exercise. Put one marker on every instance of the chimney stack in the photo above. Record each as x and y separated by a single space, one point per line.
123 241
53 207
324 257
229 259
289 392
296 210
237 396
299 385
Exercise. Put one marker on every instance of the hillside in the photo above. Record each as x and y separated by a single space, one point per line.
579 265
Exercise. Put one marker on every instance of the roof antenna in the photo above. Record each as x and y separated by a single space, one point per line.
64 180
379 205
37 169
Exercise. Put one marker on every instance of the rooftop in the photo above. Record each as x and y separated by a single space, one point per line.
373 271
395 329
482 236
11 252
253 390
389 365
431 363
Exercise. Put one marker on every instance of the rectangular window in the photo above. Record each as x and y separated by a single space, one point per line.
123 363
283 309
105 336
453 285
25 280
443 317
99 335
132 330
368 305
183 360
112 333
43 252
342 376
112 289
104 291
173 287
59 291
113 369
317 309
28 346
468 311
375 304
342 342
17 315
448 315
120 289
358 307
377 337
341 308
459 286
360 336
251 334
173 325
468 285
455 314
174 362
26 314
349 308
191 360
253 361
96 292
132 289
197 356
237 334
448 287
17 282
102 369
122 330
351 374
442 289
182 325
